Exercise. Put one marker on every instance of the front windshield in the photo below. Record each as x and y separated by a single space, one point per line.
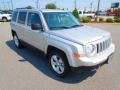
9 12
60 20
2 13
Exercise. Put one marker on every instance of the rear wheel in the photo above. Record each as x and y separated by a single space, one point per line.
58 63
17 41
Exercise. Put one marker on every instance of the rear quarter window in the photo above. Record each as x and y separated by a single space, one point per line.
14 16
22 17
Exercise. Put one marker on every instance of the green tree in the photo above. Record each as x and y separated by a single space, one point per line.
117 17
29 7
118 12
51 6
76 13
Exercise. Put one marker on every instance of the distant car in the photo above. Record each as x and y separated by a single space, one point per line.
86 14
111 13
5 17
101 13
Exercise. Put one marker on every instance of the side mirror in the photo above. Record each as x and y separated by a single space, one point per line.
36 27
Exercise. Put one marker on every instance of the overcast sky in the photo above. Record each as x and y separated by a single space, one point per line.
81 4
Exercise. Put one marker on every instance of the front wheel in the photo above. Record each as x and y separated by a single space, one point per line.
58 63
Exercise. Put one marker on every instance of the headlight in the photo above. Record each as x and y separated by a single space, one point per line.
90 49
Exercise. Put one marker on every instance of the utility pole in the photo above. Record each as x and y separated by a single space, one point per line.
3 4
75 4
8 5
91 4
37 4
98 8
12 4
98 5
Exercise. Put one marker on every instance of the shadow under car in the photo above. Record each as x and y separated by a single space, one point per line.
39 61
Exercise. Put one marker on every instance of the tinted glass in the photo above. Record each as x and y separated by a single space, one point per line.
2 13
33 18
80 12
14 16
22 17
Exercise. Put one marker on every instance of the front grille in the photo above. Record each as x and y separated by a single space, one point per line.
103 45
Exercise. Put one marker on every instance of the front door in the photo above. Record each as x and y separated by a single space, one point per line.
34 37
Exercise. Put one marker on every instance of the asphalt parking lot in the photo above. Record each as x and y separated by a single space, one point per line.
25 69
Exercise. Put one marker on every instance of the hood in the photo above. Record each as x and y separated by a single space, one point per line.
82 35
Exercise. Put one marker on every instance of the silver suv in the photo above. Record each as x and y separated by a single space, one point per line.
67 44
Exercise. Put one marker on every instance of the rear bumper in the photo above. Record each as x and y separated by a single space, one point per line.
91 68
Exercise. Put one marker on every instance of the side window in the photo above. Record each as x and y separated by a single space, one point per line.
29 18
80 12
33 18
22 17
14 16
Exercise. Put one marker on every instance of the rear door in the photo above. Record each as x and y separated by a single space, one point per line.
21 25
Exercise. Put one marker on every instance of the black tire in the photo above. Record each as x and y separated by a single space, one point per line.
64 60
4 19
18 43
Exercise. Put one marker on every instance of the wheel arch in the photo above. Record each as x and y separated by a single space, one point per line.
51 48
66 49
4 17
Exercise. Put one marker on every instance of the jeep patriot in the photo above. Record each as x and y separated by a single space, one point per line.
67 43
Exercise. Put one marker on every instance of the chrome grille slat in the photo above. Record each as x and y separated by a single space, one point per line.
101 46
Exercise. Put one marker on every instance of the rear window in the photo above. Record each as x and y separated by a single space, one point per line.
14 16
22 17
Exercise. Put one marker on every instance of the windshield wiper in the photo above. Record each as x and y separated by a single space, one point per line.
63 27
75 26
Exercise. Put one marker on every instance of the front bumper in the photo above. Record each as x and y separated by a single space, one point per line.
95 60
91 68
9 18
